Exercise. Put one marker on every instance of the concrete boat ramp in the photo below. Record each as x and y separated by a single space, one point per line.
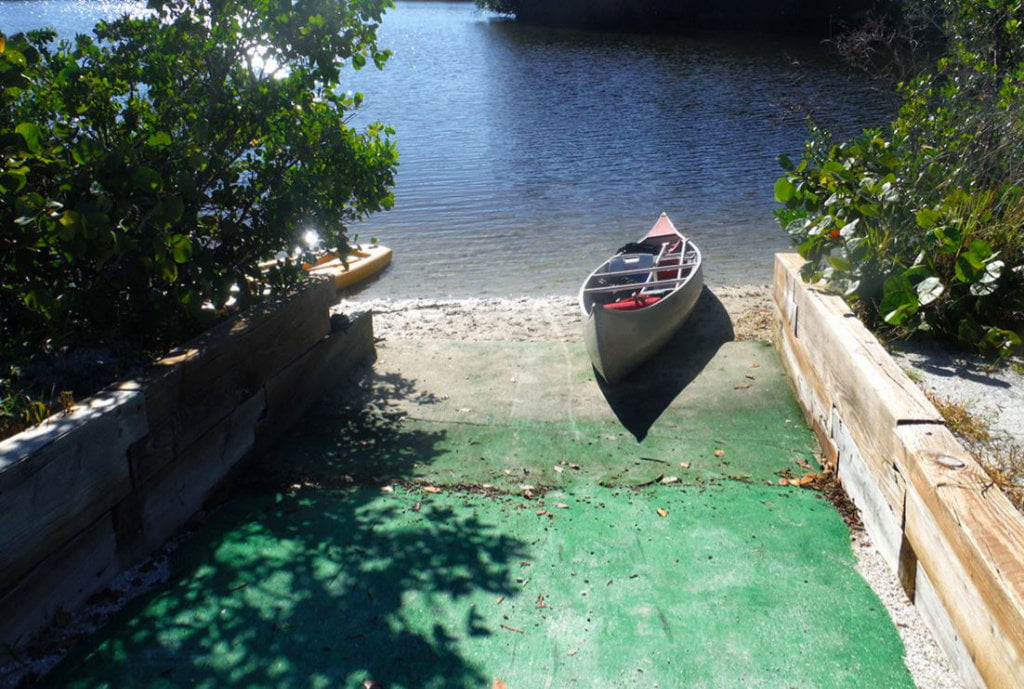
488 515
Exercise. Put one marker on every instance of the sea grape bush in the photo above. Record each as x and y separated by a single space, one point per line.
921 224
147 169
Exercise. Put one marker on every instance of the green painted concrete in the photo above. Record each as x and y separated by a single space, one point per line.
472 512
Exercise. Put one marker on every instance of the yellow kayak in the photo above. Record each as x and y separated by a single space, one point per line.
364 262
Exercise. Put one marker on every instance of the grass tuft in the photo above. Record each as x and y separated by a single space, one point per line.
964 424
1003 462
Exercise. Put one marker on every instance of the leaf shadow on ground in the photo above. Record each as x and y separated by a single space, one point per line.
645 394
311 575
944 360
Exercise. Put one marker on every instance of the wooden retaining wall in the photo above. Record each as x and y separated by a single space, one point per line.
86 495
955 541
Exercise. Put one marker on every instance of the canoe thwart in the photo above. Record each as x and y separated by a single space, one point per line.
633 286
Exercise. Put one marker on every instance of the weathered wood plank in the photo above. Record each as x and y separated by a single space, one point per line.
933 612
63 580
268 336
880 510
291 391
872 395
69 517
969 538
64 477
960 549
787 272
178 491
200 383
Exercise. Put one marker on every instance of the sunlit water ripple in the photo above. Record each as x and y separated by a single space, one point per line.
528 154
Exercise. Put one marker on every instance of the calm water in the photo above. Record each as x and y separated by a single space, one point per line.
529 154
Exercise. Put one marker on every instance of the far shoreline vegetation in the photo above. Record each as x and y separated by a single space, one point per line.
125 218
822 18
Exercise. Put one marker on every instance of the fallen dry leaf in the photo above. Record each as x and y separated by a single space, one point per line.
719 453
558 469
561 506
574 467
387 489
685 465
670 480
803 463
431 489
416 507
571 653
741 386
783 481
662 512
498 684
805 480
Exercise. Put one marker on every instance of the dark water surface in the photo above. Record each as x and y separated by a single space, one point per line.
528 154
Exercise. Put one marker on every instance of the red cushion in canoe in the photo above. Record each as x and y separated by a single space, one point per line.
632 303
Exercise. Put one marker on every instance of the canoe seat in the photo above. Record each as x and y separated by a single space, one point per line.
633 303
631 262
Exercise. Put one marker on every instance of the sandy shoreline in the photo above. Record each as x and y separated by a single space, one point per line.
531 319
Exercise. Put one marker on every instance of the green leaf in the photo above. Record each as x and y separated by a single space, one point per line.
39 300
12 181
71 223
32 135
899 301
181 248
15 57
784 190
982 251
786 163
86 151
948 239
147 179
169 271
986 283
927 218
159 140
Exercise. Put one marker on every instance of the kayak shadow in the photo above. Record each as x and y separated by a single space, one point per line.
642 396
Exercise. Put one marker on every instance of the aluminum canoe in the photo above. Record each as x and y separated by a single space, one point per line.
632 305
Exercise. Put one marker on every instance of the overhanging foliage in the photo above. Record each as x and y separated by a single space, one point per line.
149 168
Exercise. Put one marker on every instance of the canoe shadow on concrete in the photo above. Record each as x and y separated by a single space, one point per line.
646 393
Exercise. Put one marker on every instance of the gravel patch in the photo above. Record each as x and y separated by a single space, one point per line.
996 395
